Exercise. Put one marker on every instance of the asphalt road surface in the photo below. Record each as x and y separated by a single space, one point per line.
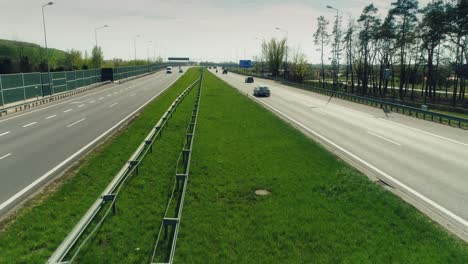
37 143
427 161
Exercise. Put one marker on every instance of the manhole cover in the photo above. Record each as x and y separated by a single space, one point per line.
262 192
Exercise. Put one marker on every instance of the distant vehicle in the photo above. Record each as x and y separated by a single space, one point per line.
225 71
180 70
169 69
216 70
261 91
209 67
215 67
249 79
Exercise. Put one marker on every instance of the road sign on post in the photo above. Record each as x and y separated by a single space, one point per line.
245 64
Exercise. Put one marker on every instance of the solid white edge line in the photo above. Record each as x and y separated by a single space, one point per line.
5 156
76 154
384 138
365 163
5 133
425 132
81 120
52 116
30 124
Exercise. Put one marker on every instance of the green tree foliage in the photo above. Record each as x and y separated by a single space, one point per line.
274 52
97 57
300 67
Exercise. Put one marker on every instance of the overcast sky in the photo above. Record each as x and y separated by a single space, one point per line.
214 30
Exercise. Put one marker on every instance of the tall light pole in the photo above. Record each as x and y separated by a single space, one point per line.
47 50
95 33
336 54
286 61
261 52
134 44
147 49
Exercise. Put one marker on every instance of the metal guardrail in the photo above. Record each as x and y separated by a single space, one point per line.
385 105
110 194
171 220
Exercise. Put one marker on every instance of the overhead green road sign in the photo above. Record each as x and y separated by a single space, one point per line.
178 59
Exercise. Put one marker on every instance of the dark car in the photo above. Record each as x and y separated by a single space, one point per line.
209 67
249 79
225 71
261 91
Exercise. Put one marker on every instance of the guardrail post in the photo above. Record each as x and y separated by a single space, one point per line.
1 92
134 163
110 197
24 88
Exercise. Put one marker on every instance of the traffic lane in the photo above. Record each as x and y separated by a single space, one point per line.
412 123
12 128
60 103
397 162
50 145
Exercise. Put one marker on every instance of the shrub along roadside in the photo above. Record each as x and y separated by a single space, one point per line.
320 209
43 223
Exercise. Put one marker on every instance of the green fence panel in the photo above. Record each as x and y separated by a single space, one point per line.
59 82
32 85
71 80
46 90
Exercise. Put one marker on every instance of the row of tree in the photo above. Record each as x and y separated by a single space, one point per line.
415 51
411 53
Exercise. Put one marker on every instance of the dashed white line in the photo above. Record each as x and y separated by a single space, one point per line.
425 132
386 139
133 94
116 92
92 101
52 116
2 157
100 98
68 110
30 124
5 133
81 105
72 124
318 111
114 104
109 95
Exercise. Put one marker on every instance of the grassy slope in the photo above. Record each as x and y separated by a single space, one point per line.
44 222
321 210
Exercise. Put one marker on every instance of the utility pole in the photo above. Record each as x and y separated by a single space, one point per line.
46 48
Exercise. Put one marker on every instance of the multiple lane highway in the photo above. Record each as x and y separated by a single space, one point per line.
37 144
426 161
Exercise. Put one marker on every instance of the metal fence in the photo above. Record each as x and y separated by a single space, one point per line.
25 86
130 71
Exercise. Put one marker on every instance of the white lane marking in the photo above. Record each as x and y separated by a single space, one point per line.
30 124
59 166
116 92
318 111
144 82
92 101
52 116
114 104
2 157
5 133
133 94
100 98
356 111
109 95
386 139
68 110
425 132
81 105
81 101
72 124
372 167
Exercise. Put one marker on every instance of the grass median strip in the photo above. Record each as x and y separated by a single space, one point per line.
42 224
317 209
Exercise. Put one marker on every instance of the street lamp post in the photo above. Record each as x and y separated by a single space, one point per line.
95 33
261 58
147 50
46 48
337 48
134 44
286 61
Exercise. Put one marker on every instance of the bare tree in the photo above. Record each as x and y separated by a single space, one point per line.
322 38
